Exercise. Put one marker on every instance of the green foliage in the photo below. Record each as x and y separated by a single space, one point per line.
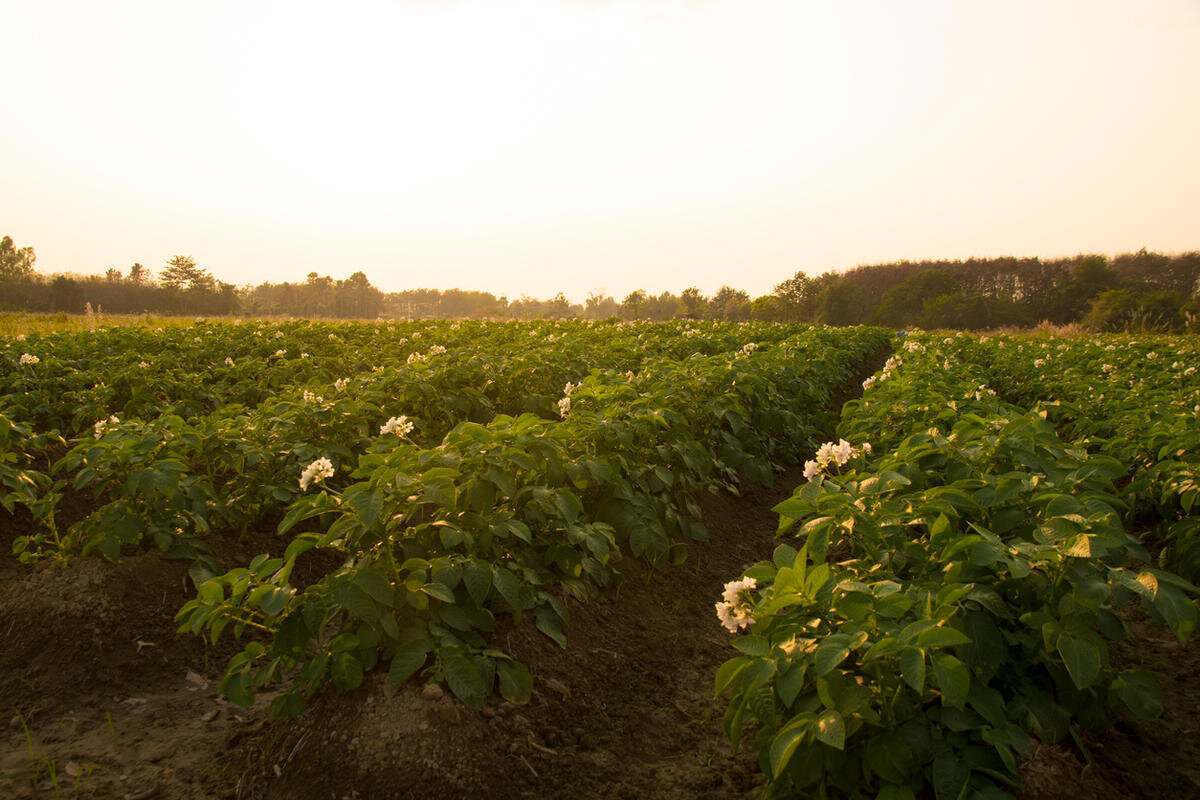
988 566
537 452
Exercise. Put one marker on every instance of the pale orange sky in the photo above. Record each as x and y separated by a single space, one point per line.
533 146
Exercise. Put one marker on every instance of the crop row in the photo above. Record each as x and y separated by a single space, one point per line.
954 589
514 517
418 493
205 432
1136 399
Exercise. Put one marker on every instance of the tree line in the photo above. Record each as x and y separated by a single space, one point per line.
1142 291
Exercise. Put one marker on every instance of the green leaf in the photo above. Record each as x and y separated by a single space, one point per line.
789 684
275 601
366 502
407 659
439 591
832 651
462 677
753 645
287 706
728 672
346 671
1082 659
1140 691
786 741
376 586
548 622
516 684
935 638
235 687
953 678
477 577
509 587
912 668
831 729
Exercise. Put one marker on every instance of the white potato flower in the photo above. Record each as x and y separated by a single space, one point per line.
401 426
734 609
101 427
317 471
27 358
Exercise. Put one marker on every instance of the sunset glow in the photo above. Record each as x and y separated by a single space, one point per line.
537 146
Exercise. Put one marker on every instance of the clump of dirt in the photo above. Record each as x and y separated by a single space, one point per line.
100 696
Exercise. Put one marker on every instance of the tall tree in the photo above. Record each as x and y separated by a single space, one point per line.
181 272
632 304
15 263
729 303
694 303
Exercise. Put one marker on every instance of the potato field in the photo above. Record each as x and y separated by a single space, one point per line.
292 559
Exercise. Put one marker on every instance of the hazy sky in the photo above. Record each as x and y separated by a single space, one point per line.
532 146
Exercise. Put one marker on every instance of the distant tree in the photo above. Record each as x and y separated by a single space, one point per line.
801 295
66 295
138 274
663 306
600 306
729 303
113 275
558 308
631 306
694 303
842 303
904 304
15 263
181 272
794 290
1127 310
768 308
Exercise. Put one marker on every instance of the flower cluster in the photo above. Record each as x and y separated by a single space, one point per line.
317 471
26 358
340 384
984 391
401 426
831 454
101 427
436 349
889 368
228 361
309 397
749 348
735 606
564 405
414 358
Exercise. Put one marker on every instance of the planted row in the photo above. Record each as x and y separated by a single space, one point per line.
513 517
947 597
